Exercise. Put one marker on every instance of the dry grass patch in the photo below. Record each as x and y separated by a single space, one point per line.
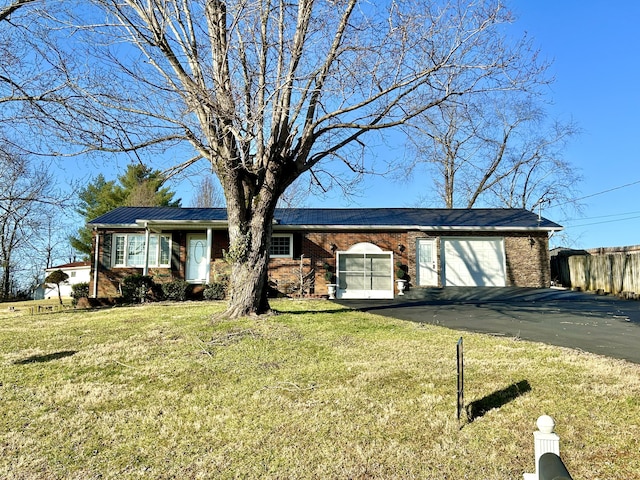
161 391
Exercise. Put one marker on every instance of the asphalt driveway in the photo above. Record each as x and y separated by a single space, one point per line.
598 324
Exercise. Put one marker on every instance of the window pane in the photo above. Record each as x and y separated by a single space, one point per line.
280 246
352 281
165 250
380 283
135 251
119 250
380 263
352 263
153 251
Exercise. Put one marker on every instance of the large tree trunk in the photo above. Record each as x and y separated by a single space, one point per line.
250 211
249 254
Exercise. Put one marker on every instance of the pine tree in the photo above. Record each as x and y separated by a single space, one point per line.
139 186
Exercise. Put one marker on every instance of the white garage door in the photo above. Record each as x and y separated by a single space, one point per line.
474 262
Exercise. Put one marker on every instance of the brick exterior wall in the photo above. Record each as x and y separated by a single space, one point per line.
527 258
528 261
317 251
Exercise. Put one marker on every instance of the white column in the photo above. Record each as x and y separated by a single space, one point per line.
207 275
147 235
96 266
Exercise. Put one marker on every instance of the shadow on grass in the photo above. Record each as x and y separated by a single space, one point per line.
478 408
45 358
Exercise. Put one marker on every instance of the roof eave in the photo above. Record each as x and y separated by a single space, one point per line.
160 223
176 224
422 228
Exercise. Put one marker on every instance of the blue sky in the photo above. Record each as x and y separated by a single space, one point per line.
595 51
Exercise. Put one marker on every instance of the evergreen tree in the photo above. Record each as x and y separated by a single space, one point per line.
139 186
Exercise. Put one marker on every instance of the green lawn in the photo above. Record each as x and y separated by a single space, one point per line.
162 391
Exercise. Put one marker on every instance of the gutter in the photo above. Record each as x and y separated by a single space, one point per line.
420 228
190 224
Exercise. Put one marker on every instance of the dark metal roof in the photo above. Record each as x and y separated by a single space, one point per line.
131 215
423 218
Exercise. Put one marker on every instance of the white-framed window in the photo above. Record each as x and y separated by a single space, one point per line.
128 250
281 245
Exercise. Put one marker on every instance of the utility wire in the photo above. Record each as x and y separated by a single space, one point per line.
604 221
600 193
582 219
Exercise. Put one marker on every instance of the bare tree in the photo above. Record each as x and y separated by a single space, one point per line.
498 148
25 190
7 10
268 90
208 194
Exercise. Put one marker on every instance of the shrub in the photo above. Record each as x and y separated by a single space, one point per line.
138 288
175 290
401 272
78 291
329 276
215 291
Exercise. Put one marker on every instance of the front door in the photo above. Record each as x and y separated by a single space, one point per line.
197 263
427 263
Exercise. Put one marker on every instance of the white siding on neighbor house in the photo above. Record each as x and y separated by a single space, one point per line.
76 275
474 262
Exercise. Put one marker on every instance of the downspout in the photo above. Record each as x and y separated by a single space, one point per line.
96 266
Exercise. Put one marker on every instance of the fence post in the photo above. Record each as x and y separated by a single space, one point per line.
545 441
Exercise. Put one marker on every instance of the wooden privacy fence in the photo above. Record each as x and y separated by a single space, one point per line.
617 273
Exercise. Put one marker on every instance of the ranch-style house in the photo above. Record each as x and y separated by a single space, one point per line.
362 248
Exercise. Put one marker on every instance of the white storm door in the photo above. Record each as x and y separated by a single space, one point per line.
197 257
427 263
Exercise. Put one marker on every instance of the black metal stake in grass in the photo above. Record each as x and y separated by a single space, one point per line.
460 378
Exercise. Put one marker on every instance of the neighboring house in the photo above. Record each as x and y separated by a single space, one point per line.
437 247
78 272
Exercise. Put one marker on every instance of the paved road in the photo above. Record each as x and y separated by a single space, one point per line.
603 325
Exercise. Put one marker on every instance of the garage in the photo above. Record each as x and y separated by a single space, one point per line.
365 271
474 262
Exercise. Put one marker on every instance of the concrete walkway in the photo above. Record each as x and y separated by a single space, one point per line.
603 325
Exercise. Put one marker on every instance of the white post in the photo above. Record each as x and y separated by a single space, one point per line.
207 275
147 236
545 441
96 266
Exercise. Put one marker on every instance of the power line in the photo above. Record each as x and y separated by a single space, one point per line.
604 221
581 219
601 193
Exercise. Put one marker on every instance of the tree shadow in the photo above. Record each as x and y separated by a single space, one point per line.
45 358
478 408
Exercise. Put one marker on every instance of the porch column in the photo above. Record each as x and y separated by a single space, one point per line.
207 275
96 266
145 270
